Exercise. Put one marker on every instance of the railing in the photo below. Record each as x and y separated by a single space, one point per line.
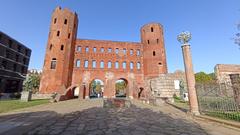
218 101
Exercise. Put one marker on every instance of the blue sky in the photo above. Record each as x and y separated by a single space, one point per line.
211 22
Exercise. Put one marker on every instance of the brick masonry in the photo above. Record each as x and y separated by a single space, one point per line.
71 62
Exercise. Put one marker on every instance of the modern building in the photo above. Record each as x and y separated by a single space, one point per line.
14 60
72 63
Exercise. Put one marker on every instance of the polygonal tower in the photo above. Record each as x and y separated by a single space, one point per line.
58 63
154 55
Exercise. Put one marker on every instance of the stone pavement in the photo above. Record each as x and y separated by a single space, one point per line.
88 117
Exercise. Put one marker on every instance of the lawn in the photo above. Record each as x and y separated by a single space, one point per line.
9 105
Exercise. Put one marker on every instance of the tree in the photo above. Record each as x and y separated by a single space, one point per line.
202 77
31 83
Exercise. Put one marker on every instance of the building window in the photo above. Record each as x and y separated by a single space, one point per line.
23 70
116 50
86 49
94 49
62 47
124 51
10 43
151 29
109 64
102 64
94 64
26 51
19 48
69 35
14 67
138 52
86 63
17 57
65 21
102 50
154 53
78 63
8 54
53 63
148 41
157 41
131 65
24 61
79 48
55 20
116 65
138 65
124 65
4 64
131 52
58 33
109 50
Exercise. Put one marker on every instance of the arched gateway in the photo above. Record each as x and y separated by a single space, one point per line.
72 64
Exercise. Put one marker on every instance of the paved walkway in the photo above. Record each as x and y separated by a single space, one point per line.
88 117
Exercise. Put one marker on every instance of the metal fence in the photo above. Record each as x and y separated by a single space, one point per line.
219 100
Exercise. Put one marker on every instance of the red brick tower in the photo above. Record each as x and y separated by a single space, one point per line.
58 63
154 55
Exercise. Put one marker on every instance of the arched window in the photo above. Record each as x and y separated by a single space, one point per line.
131 65
138 52
94 49
116 65
109 64
55 20
124 65
53 63
124 51
86 49
138 65
78 63
109 50
94 64
86 64
131 52
79 48
116 50
65 21
102 64
58 33
102 50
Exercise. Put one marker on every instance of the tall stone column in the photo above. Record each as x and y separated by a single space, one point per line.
192 95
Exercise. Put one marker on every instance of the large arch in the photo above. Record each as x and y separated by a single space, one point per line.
96 88
121 87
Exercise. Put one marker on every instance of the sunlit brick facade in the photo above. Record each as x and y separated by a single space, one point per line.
71 62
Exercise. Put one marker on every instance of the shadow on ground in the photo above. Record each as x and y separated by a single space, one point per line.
98 121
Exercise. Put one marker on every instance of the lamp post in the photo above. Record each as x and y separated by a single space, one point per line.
184 38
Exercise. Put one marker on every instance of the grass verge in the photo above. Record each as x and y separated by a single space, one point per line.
9 105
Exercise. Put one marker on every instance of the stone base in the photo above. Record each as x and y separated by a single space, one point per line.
116 103
26 96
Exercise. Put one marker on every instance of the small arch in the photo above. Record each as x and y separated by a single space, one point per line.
96 88
78 63
58 33
55 20
62 47
65 21
53 63
50 47
151 29
148 41
121 87
140 92
154 53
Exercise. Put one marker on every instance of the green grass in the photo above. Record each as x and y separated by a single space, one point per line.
180 103
9 105
225 115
